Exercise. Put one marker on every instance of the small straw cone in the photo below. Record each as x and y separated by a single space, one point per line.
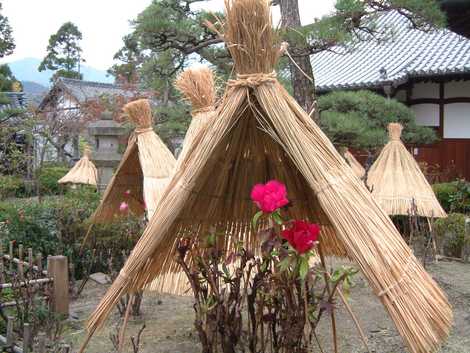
144 170
261 133
357 168
197 86
397 182
83 172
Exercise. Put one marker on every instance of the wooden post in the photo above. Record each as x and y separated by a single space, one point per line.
466 241
41 342
10 338
26 338
39 261
57 268
20 252
20 271
30 259
10 252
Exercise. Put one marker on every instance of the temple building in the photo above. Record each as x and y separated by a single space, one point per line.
429 71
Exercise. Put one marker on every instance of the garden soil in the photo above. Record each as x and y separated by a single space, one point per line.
169 320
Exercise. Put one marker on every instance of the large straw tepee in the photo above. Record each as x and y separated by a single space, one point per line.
397 182
144 170
83 172
357 168
197 86
261 133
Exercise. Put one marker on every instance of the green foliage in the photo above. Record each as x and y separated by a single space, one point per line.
7 80
10 186
48 177
444 193
7 43
454 196
450 233
64 52
57 225
359 120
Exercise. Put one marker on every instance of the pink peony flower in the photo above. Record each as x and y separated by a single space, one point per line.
123 207
270 196
301 235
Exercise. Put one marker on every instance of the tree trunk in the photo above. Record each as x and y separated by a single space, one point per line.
304 88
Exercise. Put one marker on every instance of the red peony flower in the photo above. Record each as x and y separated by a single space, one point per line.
127 193
270 196
123 207
301 235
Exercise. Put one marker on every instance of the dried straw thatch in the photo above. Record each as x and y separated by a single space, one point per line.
397 182
357 168
83 172
197 86
261 133
144 171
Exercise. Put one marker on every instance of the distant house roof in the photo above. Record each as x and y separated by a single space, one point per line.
409 53
83 91
15 100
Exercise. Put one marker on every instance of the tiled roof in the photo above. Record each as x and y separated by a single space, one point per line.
84 90
407 53
16 100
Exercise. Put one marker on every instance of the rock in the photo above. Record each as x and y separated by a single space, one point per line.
100 278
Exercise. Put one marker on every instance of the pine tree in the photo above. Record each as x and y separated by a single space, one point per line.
64 52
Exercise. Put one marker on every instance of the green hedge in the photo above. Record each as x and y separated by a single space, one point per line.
454 196
10 186
450 233
58 224
48 177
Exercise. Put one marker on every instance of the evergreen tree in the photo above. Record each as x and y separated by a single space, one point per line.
7 43
64 52
359 120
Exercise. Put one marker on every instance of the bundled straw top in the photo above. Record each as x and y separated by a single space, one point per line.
143 172
197 86
260 134
397 182
83 172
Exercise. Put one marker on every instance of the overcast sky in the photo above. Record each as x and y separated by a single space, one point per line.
103 23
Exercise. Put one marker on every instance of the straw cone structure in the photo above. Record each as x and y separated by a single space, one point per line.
357 168
83 172
197 86
397 182
261 133
144 171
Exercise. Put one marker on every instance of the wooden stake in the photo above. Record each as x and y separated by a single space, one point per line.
57 269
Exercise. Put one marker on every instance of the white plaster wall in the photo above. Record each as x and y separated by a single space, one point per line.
426 114
457 89
457 120
425 90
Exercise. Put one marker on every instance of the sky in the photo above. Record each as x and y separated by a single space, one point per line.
103 23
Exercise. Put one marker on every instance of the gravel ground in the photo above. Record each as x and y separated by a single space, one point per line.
169 324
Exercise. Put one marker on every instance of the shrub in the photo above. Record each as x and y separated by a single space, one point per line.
454 196
450 234
48 177
444 192
10 186
57 225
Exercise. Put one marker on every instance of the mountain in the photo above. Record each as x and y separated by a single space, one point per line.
34 91
30 87
27 70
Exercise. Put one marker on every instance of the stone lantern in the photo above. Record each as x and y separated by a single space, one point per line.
104 134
